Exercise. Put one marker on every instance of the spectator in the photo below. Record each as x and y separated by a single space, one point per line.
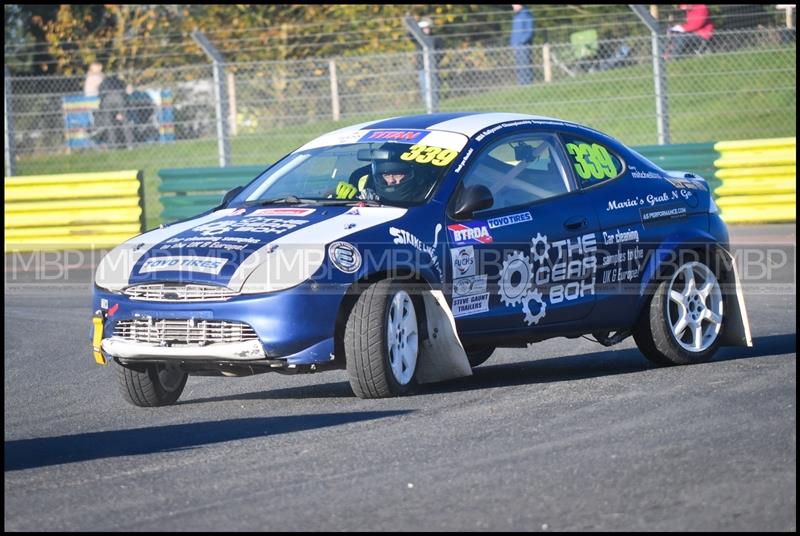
141 115
521 40
113 124
694 34
94 77
426 25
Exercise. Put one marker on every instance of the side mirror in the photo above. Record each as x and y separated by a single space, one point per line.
230 195
472 199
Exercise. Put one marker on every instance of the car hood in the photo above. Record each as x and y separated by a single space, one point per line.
224 247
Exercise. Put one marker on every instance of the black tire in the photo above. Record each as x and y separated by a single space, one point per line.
367 343
151 385
654 334
479 355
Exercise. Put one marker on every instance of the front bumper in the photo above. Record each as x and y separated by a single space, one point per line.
295 325
235 351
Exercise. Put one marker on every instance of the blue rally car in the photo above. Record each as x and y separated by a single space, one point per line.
407 250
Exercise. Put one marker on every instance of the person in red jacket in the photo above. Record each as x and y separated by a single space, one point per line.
692 35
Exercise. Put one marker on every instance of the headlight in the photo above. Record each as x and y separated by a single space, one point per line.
284 267
115 268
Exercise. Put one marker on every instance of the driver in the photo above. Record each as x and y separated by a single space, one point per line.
393 181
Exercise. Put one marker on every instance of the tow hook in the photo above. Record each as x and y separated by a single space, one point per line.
98 320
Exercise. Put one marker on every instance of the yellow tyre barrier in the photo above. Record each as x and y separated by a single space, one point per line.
759 214
75 210
74 230
757 180
787 172
734 187
751 145
71 204
750 200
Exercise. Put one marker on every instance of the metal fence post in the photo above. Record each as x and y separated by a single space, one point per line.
10 152
232 104
334 90
428 65
659 74
220 97
546 61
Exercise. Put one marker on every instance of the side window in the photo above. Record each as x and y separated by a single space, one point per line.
520 170
592 163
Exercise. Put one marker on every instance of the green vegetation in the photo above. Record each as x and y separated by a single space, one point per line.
710 99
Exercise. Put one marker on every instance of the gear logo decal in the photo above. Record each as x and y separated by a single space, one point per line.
569 277
515 279
529 317
537 241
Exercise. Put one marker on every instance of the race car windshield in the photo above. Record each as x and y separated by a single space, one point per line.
388 173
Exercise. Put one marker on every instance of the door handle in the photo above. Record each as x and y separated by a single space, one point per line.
576 222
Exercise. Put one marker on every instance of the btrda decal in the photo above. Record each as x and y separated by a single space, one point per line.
570 277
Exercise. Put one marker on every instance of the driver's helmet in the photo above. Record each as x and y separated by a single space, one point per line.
394 180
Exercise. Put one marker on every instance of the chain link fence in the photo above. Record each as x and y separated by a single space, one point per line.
740 85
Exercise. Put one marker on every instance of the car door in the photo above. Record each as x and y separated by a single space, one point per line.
636 210
600 172
528 260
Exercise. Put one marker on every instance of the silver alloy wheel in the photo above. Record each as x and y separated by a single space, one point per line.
694 309
170 376
402 337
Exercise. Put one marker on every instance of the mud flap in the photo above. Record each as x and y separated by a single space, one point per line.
442 356
737 329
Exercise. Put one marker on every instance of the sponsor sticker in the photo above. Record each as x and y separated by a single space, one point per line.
511 219
665 212
282 212
645 174
401 236
467 286
511 124
470 305
464 160
474 232
408 136
626 203
206 265
345 257
257 224
463 261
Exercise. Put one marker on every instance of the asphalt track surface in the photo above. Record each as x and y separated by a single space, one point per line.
564 435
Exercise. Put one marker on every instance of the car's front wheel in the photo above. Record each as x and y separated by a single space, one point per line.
381 341
683 321
150 385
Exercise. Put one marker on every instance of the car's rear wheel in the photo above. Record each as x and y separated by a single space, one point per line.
150 385
381 341
477 355
683 321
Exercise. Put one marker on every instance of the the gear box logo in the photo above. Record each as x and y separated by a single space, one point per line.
570 276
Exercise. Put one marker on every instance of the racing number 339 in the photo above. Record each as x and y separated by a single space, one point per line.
423 154
592 161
